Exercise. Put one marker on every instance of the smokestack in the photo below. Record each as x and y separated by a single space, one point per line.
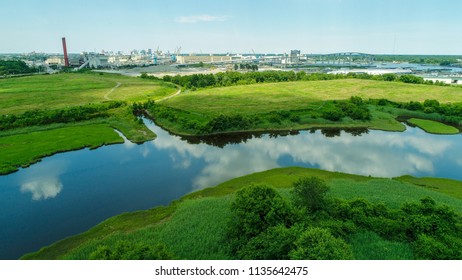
66 58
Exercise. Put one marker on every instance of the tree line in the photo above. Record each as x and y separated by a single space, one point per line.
10 67
449 113
231 78
67 115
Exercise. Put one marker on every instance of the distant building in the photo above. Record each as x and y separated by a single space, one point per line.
446 80
98 61
55 60
295 56
191 59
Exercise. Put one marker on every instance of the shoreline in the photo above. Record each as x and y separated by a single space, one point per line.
125 223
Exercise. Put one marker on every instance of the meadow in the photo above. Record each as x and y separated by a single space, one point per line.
18 95
194 227
267 97
340 103
23 97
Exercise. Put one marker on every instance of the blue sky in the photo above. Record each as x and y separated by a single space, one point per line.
313 26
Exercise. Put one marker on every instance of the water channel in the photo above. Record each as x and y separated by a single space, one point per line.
68 193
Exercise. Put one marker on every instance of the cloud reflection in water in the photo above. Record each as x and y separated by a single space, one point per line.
378 153
43 180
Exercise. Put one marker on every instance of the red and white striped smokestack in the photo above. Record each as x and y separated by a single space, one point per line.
66 58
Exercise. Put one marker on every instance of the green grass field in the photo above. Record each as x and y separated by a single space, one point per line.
433 127
193 227
305 102
249 99
18 95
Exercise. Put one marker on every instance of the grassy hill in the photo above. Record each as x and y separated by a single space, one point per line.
194 227
18 95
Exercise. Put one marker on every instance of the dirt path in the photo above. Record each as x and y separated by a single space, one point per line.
170 96
106 96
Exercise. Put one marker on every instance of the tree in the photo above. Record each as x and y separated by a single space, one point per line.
310 193
320 244
256 208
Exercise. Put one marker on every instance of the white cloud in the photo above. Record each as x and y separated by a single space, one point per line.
43 180
201 18
43 189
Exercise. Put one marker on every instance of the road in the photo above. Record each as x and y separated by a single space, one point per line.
170 96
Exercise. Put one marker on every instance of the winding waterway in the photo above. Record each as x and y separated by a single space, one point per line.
68 193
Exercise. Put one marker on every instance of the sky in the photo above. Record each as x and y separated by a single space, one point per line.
234 26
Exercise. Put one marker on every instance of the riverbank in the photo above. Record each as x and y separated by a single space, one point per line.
207 210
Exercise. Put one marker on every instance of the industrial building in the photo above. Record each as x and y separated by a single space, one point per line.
191 59
98 61
295 56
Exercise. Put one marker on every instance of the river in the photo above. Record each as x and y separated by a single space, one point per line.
68 193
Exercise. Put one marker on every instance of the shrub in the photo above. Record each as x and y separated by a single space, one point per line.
332 114
255 209
320 244
273 244
310 193
414 106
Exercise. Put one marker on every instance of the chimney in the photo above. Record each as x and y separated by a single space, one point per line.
66 58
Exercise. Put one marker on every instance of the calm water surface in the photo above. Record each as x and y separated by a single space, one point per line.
68 193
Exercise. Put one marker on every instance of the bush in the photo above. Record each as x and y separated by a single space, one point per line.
414 106
273 244
225 122
255 209
332 114
426 247
310 193
320 244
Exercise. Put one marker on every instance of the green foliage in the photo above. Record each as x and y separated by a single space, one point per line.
411 79
273 244
332 114
414 106
255 209
425 59
127 251
45 117
9 67
355 108
367 245
224 122
320 244
310 193
442 248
